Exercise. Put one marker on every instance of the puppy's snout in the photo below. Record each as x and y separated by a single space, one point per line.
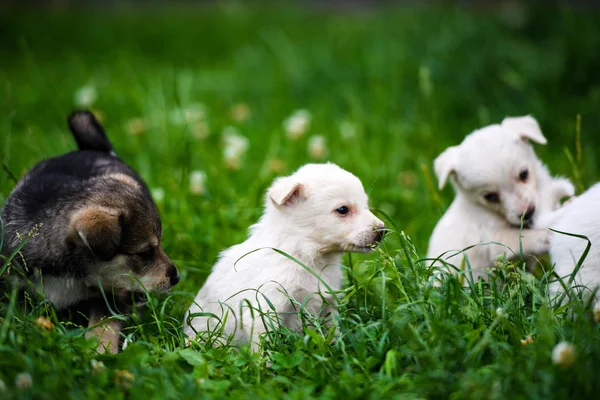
529 213
173 275
380 232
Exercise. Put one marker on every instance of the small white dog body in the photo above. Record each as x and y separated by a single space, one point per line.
498 180
314 216
581 217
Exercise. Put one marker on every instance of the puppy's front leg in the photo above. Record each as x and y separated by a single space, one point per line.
561 188
535 241
106 329
547 220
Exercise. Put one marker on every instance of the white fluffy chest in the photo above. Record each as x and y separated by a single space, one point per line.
256 270
64 292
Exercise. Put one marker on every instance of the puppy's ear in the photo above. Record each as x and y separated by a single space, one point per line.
526 127
97 228
285 191
445 164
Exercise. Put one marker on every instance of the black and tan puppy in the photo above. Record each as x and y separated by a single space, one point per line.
98 233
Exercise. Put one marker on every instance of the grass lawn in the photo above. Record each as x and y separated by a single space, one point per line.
388 89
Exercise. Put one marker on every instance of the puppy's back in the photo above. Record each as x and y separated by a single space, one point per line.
582 217
95 157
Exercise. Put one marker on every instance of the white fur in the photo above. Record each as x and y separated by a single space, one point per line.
490 160
64 292
581 217
300 220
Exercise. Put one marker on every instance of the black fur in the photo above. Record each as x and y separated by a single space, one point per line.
88 133
54 188
77 213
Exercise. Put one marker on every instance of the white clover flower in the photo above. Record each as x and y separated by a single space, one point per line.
596 311
158 194
198 182
97 366
236 146
44 323
189 114
136 126
408 178
317 148
23 380
124 378
500 312
85 96
194 112
563 354
200 129
297 124
347 130
276 166
528 340
240 112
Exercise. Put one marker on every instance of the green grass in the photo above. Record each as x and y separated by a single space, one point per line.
411 81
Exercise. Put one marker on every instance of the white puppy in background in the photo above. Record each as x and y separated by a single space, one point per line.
498 180
581 217
314 215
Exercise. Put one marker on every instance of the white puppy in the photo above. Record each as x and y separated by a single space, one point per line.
498 180
581 217
314 215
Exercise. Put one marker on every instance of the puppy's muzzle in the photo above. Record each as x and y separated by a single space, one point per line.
528 215
173 275
380 233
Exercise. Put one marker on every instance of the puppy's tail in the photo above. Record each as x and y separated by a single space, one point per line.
88 133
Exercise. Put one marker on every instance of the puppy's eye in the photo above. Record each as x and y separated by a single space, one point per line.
491 197
147 254
343 210
523 175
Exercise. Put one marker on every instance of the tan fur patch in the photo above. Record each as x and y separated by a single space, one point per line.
106 330
126 179
98 229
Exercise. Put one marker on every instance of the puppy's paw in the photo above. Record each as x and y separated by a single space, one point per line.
562 187
546 220
536 241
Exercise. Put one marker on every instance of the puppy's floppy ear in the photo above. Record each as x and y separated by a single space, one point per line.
526 127
97 228
285 191
445 164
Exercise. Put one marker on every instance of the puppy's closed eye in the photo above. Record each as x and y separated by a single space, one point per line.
147 254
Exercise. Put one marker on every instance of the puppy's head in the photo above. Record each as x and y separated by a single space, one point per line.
325 205
496 167
117 234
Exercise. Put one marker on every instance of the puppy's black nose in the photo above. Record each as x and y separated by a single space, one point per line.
381 231
173 275
529 213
